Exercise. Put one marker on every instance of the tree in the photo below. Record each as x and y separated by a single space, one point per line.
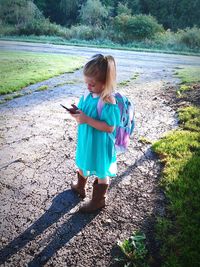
173 14
93 13
18 12
69 11
123 9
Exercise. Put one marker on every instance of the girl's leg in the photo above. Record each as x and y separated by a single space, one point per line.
104 181
81 173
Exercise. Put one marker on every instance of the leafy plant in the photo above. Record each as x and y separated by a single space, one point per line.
134 250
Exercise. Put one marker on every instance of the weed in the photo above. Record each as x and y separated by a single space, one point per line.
182 89
124 83
42 88
144 140
134 250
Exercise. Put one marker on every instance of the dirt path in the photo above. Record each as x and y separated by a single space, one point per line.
39 222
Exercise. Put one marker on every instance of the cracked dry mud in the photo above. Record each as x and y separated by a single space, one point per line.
40 225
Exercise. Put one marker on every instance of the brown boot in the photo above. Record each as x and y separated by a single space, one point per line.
98 198
79 187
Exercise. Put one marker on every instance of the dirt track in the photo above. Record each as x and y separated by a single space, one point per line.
39 222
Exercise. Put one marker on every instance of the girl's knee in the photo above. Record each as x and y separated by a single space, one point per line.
104 180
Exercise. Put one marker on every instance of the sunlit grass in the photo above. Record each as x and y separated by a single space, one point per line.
179 231
189 75
19 69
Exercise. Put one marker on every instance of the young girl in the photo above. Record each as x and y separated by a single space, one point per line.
95 154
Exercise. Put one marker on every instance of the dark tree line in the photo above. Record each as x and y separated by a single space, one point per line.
171 14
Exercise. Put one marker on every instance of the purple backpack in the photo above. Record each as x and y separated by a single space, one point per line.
127 123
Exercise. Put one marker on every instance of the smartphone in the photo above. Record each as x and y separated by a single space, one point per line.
71 110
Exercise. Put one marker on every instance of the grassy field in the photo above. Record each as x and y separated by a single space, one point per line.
179 231
20 69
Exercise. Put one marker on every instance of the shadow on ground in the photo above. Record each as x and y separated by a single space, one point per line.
61 205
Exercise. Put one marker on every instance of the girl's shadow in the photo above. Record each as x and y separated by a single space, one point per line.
61 204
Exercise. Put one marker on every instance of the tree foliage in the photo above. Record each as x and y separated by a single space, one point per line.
172 14
18 12
93 13
123 9
136 27
118 20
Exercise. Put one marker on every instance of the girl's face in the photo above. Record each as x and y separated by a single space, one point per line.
93 85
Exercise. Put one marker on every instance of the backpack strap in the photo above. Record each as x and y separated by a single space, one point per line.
100 106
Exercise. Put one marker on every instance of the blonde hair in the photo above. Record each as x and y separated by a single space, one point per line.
103 69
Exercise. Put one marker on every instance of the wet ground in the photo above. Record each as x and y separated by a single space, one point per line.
40 225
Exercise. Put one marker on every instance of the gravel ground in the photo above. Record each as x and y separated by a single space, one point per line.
40 225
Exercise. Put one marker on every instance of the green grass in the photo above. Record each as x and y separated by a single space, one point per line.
127 82
179 231
189 75
20 69
189 118
124 83
68 82
135 76
42 88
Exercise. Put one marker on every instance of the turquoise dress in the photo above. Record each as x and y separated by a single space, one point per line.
95 153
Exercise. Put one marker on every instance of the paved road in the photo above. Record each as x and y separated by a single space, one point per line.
129 63
125 59
39 223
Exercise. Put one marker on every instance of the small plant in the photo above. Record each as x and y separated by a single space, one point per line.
182 89
42 88
124 83
135 76
144 140
134 250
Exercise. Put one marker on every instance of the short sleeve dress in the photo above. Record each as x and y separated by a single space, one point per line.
95 153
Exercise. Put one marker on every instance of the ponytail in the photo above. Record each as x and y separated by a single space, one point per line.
103 69
110 81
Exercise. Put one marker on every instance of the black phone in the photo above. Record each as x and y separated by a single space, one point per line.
72 110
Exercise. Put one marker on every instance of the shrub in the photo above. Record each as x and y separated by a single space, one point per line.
136 27
190 37
6 29
84 32
44 27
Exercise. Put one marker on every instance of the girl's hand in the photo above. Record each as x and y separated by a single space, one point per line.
80 117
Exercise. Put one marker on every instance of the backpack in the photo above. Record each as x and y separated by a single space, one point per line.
127 123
